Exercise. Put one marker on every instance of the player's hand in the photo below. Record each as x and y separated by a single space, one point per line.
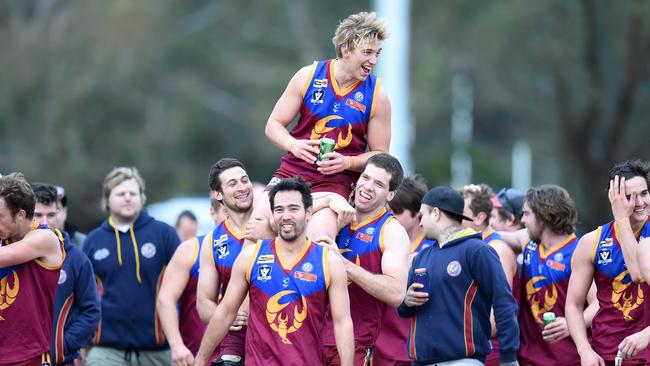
332 163
622 207
258 228
591 358
181 356
328 243
344 211
240 321
306 150
415 297
632 344
555 331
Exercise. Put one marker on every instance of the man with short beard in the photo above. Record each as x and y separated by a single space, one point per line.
129 252
229 184
290 281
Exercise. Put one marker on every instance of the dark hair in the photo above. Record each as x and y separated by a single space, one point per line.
218 168
629 169
554 207
45 193
17 194
187 213
390 164
292 184
215 203
506 215
481 199
409 195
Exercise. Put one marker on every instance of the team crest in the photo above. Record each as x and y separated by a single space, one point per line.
317 96
307 267
285 282
278 320
62 277
336 107
604 256
8 290
558 257
454 268
101 254
358 96
370 230
222 250
264 273
148 250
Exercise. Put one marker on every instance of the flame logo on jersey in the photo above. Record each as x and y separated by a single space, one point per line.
534 300
357 261
274 311
321 128
8 293
622 299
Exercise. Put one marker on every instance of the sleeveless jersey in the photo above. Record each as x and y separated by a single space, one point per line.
190 324
391 343
620 300
27 310
287 306
545 279
328 111
362 244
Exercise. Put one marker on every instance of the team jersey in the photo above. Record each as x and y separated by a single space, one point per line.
190 324
620 300
362 244
339 114
27 309
545 278
391 343
287 305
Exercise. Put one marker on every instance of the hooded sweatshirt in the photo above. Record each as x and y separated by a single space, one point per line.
129 268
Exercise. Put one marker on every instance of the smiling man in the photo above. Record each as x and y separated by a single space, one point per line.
339 99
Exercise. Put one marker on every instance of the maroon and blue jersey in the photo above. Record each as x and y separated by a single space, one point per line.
621 301
339 114
287 305
363 244
190 324
391 343
27 309
545 277
226 244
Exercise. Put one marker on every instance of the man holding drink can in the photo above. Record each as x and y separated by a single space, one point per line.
452 322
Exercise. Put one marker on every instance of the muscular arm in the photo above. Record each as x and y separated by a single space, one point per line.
37 244
226 312
390 285
644 257
508 263
284 112
582 273
340 307
173 284
593 306
208 286
516 240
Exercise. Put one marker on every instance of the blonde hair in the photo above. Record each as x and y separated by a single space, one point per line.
357 28
116 177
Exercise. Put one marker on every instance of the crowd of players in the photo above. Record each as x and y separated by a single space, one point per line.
339 260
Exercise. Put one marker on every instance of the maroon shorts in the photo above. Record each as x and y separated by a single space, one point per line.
341 184
233 344
635 362
35 361
331 355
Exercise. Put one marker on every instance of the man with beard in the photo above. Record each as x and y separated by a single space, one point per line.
608 256
129 253
549 215
229 184
341 100
375 253
30 261
290 281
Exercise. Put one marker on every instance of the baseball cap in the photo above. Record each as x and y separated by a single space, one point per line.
446 199
510 199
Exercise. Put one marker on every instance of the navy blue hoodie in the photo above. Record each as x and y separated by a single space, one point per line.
129 268
76 305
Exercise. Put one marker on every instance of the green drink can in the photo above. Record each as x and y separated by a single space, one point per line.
326 146
548 318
